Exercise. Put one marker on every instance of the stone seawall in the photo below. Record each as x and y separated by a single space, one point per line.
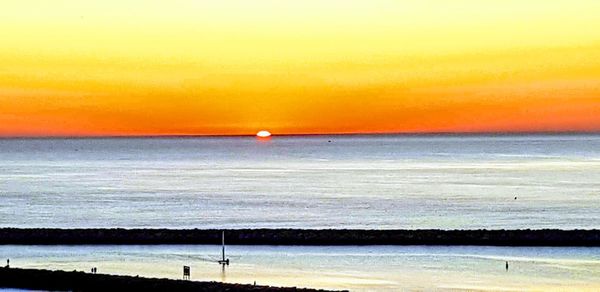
543 237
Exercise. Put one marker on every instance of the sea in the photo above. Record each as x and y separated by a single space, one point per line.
325 181
356 181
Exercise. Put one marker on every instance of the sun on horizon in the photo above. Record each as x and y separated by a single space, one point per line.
263 134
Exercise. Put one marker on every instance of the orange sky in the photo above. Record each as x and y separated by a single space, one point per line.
294 67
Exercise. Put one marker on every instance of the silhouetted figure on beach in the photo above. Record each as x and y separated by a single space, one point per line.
186 272
507 265
7 263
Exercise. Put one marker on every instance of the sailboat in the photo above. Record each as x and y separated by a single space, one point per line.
223 261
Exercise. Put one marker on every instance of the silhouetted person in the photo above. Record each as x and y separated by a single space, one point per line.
186 272
507 265
7 263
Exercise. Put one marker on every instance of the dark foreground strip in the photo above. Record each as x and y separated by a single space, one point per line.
543 237
80 281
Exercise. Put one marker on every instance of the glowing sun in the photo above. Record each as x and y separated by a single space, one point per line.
263 134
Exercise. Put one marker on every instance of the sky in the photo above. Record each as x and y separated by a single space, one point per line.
96 68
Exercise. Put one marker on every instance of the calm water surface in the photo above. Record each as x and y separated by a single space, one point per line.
389 268
308 182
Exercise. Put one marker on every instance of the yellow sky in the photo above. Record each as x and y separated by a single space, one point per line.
235 67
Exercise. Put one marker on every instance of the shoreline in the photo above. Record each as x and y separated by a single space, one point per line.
119 236
81 281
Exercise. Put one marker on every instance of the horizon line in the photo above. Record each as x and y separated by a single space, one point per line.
442 133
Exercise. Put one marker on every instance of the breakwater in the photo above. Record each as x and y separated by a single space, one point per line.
523 237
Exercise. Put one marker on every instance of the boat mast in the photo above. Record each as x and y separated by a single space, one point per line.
224 261
223 241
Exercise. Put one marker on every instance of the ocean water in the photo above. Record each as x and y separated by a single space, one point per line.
356 268
379 182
